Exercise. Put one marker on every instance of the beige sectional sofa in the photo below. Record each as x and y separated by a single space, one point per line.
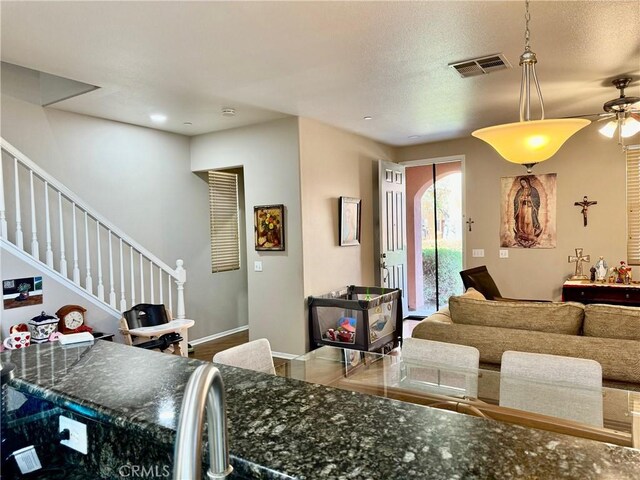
607 334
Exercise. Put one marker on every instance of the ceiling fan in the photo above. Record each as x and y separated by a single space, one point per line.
623 113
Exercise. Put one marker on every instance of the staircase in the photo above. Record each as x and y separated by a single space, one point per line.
43 220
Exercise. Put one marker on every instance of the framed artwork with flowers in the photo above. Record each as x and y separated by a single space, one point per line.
269 227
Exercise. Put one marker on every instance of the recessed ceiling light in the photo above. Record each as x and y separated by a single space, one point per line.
188 124
367 118
158 117
228 112
413 137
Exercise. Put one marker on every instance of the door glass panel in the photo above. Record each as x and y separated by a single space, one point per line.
434 235
449 231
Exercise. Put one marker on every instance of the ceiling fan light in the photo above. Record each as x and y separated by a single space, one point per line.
530 142
629 128
609 129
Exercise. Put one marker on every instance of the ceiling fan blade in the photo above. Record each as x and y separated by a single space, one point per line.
605 115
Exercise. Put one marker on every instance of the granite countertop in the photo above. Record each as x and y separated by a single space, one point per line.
284 428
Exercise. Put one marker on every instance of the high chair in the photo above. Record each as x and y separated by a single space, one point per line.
150 326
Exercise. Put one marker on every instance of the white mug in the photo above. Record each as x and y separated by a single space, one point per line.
17 340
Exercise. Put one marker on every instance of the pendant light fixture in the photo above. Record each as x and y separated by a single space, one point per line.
529 142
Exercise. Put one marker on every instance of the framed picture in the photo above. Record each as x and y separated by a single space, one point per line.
21 292
349 215
269 227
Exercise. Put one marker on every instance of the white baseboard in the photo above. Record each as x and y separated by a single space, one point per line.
215 336
286 356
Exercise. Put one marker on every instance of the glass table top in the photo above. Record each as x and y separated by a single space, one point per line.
606 414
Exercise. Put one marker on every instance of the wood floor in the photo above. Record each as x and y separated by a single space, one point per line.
206 351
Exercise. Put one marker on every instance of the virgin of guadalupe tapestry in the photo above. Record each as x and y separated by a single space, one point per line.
528 211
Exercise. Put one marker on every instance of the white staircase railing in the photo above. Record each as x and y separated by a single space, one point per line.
127 273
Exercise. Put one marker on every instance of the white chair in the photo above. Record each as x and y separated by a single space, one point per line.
443 368
565 387
254 355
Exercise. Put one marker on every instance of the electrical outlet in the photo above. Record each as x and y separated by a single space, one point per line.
477 252
257 266
77 434
504 253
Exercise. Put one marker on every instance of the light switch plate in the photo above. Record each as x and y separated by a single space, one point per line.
477 252
257 266
77 434
504 253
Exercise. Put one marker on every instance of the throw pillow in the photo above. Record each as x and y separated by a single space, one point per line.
551 317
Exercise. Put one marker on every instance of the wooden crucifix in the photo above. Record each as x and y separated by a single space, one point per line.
585 204
578 258
469 222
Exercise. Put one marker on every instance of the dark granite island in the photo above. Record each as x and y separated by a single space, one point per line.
282 428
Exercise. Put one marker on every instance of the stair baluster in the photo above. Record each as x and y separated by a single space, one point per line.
19 238
35 248
100 284
76 268
63 259
123 300
88 281
47 214
112 290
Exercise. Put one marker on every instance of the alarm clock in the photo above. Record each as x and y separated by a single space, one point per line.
72 319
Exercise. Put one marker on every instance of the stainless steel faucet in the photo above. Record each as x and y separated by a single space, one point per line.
205 389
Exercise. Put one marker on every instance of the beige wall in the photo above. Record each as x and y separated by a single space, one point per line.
588 164
140 180
269 155
335 163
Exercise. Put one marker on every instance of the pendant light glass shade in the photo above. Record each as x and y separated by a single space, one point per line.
629 127
530 142
609 129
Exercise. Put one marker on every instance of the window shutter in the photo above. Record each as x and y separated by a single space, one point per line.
223 208
633 205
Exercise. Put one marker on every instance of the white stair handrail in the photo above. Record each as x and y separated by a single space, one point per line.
178 275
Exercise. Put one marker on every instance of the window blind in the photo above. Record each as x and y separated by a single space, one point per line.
223 210
633 205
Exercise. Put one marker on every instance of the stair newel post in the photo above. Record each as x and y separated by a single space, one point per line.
47 222
76 268
63 259
19 238
141 280
100 284
133 281
88 281
181 278
3 215
123 300
35 248
112 290
153 298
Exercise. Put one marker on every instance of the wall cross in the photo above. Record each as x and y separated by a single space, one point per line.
585 204
469 222
578 258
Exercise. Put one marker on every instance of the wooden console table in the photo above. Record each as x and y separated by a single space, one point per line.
584 291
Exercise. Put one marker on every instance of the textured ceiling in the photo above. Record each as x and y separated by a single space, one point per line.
333 61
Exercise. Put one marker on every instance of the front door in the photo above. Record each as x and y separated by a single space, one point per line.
393 236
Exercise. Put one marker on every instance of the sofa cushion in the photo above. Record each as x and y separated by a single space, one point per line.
550 317
612 321
619 358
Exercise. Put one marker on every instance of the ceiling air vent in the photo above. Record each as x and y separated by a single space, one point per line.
481 65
